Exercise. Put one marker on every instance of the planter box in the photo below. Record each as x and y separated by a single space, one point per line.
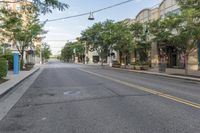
29 66
144 67
137 67
123 66
129 67
116 66
141 67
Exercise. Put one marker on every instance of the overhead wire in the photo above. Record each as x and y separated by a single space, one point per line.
87 13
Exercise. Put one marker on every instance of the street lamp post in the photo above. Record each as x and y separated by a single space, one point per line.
110 64
75 58
41 54
86 54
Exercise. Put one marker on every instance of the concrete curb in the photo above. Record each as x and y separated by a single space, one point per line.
152 73
159 74
8 89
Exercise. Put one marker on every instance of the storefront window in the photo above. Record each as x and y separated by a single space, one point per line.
173 57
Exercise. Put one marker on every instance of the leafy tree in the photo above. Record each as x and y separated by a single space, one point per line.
159 30
46 53
43 6
123 42
71 50
79 51
27 35
20 33
100 38
11 24
67 52
140 39
94 38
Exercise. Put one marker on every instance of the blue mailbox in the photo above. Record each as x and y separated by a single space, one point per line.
16 63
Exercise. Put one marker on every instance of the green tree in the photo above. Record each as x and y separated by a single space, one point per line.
11 24
141 42
94 38
21 34
100 38
123 42
46 53
67 52
188 27
27 35
71 50
159 30
79 50
43 6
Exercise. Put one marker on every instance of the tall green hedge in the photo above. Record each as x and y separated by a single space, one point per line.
3 67
9 58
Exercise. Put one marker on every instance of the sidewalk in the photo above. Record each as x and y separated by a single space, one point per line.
14 80
179 72
170 72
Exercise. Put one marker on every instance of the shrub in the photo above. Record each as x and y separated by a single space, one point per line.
29 65
9 58
3 67
133 63
116 63
140 63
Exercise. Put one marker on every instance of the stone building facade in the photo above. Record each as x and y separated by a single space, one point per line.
29 55
174 57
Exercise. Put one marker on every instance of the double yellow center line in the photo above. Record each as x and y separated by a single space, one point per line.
167 96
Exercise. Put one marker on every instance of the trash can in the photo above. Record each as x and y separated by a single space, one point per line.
162 67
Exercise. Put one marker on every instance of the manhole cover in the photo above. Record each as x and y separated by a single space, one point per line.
71 93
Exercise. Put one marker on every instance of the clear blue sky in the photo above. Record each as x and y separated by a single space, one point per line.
71 28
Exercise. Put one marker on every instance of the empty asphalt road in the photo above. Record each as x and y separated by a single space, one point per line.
69 98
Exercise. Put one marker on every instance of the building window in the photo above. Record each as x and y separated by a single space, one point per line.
18 8
176 11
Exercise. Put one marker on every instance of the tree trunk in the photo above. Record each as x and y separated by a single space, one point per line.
101 61
120 58
186 64
125 61
22 59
